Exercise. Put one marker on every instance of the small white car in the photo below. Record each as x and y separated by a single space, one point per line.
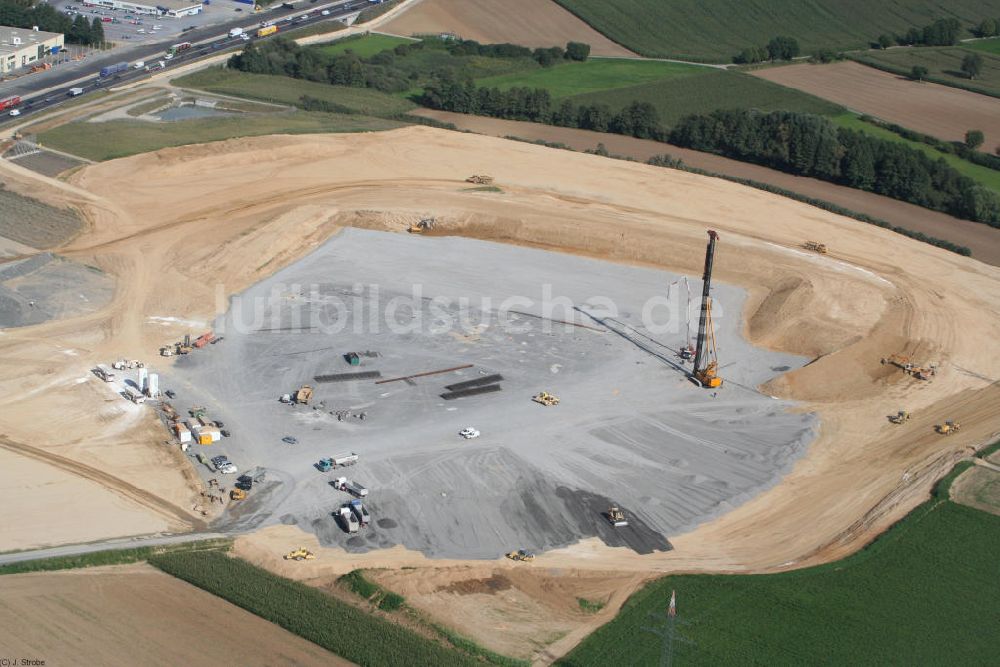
325 12
15 112
469 433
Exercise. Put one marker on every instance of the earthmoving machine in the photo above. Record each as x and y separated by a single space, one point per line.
706 361
900 417
545 398
480 179
907 366
237 494
185 346
616 516
424 225
347 520
521 555
815 247
361 512
300 554
304 395
948 427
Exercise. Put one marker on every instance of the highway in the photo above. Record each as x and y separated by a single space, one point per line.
106 545
208 41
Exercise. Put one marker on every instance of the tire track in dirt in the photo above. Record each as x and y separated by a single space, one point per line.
105 480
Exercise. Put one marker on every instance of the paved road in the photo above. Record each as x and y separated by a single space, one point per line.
50 91
106 545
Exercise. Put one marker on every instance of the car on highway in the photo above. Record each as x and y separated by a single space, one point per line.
469 433
290 440
325 12
15 112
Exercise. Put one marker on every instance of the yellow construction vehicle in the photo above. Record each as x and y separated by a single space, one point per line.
480 179
706 361
900 417
616 516
521 555
237 494
545 398
948 427
815 247
300 554
424 225
304 394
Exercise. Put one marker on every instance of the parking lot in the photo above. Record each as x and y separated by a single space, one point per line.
630 428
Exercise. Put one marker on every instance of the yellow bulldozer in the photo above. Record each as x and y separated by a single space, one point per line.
900 417
616 516
480 179
300 554
237 494
545 398
948 427
425 225
304 394
521 555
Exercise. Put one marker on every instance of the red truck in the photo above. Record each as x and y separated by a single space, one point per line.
9 103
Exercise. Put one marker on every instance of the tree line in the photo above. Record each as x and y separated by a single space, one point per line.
813 146
779 48
48 19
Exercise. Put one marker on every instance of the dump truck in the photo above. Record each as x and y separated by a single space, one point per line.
304 395
900 417
616 517
545 398
342 460
480 179
347 520
355 489
360 512
948 427
324 465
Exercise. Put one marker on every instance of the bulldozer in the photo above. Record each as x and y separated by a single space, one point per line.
300 554
616 516
815 247
237 494
304 394
480 179
521 555
545 398
948 427
425 225
900 417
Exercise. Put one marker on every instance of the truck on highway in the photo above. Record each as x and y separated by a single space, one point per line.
177 48
10 103
235 32
269 30
114 69
139 64
152 67
73 92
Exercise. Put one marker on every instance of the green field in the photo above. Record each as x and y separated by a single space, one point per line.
90 140
285 90
944 65
365 46
986 176
594 75
987 45
715 30
707 90
923 594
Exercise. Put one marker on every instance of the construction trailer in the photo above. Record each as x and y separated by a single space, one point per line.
706 361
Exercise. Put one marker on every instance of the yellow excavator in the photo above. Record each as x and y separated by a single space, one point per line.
521 555
424 225
948 427
545 398
706 360
300 554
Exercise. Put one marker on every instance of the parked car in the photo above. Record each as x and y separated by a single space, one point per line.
224 465
290 440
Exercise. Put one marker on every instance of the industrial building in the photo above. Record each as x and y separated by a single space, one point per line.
174 8
19 47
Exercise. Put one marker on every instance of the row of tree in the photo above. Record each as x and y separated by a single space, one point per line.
546 57
943 32
813 146
27 15
779 48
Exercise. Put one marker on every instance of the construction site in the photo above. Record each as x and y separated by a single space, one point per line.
590 370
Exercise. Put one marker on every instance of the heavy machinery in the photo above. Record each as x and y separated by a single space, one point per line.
304 395
300 554
815 247
907 366
480 179
900 417
545 398
237 494
185 346
425 225
948 427
347 520
616 516
706 362
521 555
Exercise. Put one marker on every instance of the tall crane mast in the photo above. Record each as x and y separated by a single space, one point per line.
706 363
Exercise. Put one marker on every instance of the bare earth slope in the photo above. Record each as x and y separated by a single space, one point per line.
531 23
213 236
941 111
137 615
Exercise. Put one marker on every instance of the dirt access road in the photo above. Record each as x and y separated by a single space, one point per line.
983 240
940 111
111 615
533 23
